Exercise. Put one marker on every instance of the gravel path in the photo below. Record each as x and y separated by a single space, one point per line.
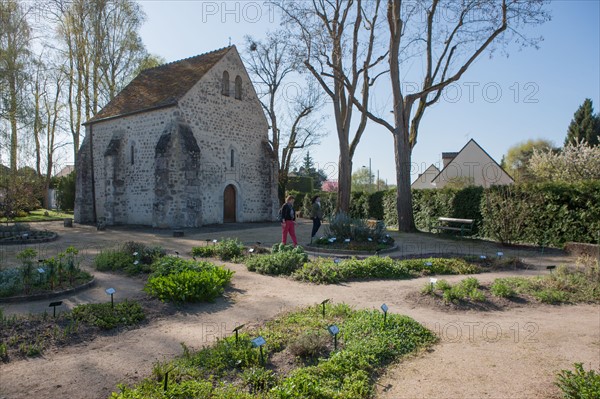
502 354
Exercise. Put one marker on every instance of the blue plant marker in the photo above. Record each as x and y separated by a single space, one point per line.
334 330
111 291
385 308
259 342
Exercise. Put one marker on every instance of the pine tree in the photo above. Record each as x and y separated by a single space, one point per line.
584 126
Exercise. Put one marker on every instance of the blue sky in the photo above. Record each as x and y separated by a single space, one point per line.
499 101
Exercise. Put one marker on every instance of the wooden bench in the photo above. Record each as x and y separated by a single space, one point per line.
451 224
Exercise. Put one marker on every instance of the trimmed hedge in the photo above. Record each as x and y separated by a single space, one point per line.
548 214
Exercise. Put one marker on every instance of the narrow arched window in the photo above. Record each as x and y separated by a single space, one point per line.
238 87
132 149
232 163
225 84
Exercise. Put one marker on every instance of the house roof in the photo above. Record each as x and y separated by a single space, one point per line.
160 87
461 150
65 171
431 169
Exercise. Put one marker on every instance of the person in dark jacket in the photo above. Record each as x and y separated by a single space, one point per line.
288 222
317 216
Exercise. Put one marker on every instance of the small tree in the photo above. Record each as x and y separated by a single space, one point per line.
575 162
65 192
585 126
518 156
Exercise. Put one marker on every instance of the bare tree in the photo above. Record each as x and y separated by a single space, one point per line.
335 40
15 42
449 46
101 43
48 105
293 114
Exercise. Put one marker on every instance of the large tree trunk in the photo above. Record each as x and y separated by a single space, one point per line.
344 178
402 153
14 142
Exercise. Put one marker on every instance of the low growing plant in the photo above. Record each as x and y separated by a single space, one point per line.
283 260
579 384
179 280
226 249
104 316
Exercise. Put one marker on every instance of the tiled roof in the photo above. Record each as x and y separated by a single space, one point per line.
161 86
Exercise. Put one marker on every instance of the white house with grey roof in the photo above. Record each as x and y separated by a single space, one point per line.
185 144
472 165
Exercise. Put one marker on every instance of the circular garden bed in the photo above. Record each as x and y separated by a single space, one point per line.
26 237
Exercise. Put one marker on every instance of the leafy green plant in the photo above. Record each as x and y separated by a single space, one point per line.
179 280
3 352
226 249
258 379
327 271
500 289
465 289
104 316
283 260
564 285
132 258
579 384
342 226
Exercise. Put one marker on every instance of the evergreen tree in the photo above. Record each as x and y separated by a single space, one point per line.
584 126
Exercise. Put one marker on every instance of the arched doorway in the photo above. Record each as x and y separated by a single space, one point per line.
229 204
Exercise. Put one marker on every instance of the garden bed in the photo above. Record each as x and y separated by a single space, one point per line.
33 335
26 237
300 358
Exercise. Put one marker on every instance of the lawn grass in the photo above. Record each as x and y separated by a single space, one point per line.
39 215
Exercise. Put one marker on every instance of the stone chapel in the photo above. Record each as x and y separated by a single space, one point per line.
184 144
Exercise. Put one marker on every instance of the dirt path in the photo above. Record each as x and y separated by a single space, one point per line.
513 353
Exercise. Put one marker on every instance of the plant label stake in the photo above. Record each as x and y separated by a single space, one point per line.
41 271
432 281
483 257
258 342
111 291
166 382
235 330
323 305
428 264
334 330
552 267
214 242
500 255
385 308
54 305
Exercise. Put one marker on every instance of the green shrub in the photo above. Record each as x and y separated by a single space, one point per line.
283 260
580 384
278 263
226 249
126 313
327 271
502 290
179 280
113 260
551 296
207 251
132 258
564 285
342 226
465 289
